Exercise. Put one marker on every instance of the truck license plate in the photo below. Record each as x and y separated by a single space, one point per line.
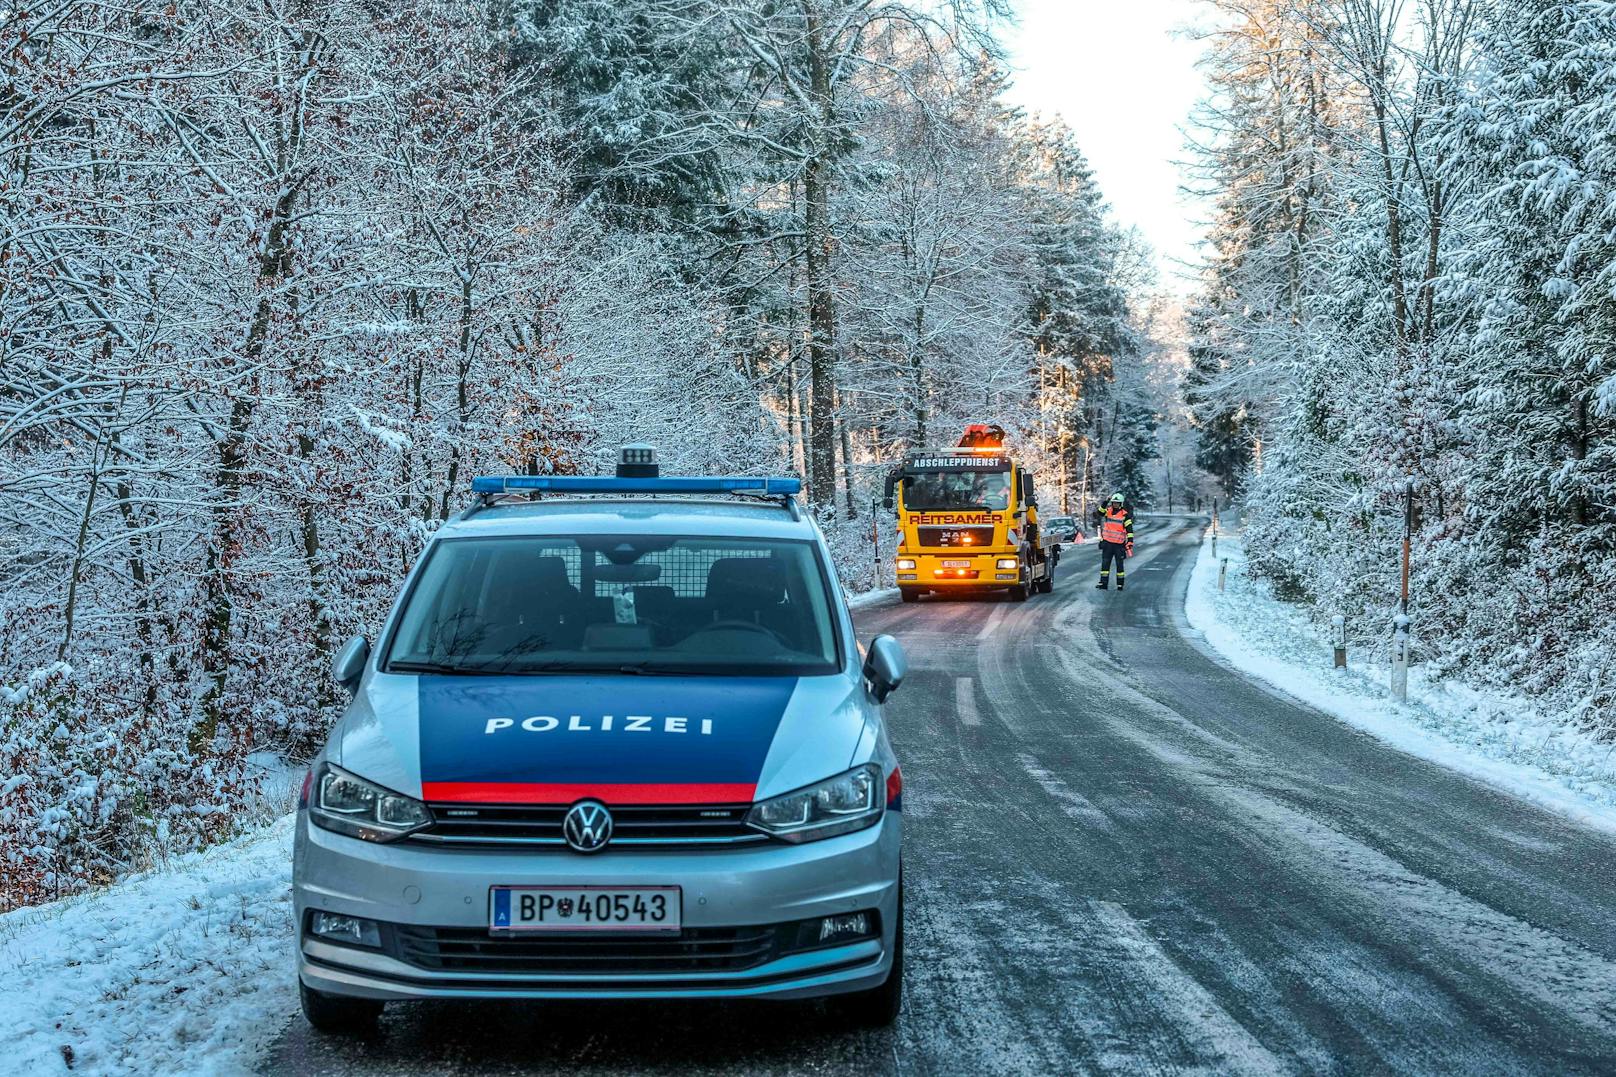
956 564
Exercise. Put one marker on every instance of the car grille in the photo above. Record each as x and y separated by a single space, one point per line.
446 949
523 824
955 536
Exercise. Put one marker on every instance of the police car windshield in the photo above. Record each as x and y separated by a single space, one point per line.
958 490
617 603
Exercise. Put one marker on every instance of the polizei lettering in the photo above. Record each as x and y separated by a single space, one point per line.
605 723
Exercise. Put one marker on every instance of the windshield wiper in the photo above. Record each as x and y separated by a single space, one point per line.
633 668
437 667
510 669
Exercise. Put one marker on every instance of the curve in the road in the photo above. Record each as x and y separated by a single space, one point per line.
1125 857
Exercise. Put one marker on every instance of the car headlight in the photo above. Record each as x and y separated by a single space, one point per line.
906 562
348 804
1009 562
839 805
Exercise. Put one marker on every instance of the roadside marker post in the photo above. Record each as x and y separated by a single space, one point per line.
1400 622
875 536
1223 568
1340 624
1400 657
1408 539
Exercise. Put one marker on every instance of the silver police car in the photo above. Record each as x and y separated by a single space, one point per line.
615 741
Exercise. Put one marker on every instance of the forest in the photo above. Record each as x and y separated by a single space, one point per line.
277 279
1408 322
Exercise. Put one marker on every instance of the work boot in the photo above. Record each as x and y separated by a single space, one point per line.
1120 585
1102 586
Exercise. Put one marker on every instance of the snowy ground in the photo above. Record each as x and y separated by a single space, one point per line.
1502 741
183 970
871 598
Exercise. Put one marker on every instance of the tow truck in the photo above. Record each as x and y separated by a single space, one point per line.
968 521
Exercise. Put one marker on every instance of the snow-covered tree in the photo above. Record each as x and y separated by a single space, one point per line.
275 283
1411 290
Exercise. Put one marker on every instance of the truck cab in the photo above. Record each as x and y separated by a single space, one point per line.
967 522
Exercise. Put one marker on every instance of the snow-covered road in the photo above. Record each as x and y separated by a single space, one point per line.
1123 856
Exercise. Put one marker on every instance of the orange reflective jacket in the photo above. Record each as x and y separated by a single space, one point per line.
1114 527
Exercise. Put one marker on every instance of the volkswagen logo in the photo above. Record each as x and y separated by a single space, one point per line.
587 826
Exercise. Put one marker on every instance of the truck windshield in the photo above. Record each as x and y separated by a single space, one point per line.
958 490
617 604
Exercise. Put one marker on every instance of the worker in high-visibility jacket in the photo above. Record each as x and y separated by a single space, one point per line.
1116 541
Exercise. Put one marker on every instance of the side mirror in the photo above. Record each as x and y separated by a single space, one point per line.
885 666
887 502
349 664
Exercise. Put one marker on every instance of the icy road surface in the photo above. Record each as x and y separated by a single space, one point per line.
1124 857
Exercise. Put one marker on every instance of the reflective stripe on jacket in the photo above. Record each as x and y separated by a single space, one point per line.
1116 527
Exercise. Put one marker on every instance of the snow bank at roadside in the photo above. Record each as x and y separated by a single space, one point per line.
184 970
1502 741
871 598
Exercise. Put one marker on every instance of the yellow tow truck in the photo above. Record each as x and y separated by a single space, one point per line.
968 521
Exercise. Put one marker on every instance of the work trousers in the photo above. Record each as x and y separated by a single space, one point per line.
1109 552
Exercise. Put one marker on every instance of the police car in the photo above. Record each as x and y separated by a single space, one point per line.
615 740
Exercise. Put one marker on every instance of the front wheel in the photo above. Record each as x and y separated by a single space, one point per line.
1019 593
337 1015
909 594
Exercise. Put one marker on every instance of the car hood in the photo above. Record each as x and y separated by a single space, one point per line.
621 739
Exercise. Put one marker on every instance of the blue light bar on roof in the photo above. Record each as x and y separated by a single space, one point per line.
775 486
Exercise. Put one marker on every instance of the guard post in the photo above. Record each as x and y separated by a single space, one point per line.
1408 540
1223 568
875 536
1400 657
1340 632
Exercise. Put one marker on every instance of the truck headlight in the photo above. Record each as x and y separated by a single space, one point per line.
850 801
348 804
906 563
1009 562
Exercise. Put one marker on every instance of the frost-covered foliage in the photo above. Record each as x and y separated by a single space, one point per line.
276 281
1415 288
892 247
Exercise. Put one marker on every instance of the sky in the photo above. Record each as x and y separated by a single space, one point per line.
1125 82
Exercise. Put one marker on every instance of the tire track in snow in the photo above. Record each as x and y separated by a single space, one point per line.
1219 1037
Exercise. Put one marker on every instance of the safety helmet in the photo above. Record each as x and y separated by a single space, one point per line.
1117 499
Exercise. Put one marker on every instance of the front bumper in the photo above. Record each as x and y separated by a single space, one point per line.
437 887
980 571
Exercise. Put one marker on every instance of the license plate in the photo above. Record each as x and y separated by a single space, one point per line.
956 564
584 908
